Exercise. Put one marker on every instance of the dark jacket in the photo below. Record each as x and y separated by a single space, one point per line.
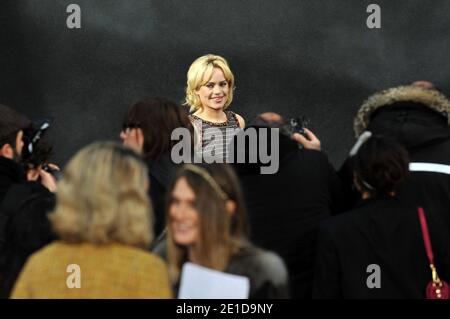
27 227
386 232
161 172
285 208
265 270
10 173
419 119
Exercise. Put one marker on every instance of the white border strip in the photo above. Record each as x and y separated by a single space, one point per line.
429 167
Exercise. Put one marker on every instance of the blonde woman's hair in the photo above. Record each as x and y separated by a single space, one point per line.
102 198
200 72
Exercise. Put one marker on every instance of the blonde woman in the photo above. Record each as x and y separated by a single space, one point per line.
206 226
209 92
103 218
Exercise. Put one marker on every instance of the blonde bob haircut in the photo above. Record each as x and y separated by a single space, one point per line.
200 73
102 198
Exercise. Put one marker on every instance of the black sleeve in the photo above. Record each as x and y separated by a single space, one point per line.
31 229
327 278
350 195
337 192
28 230
335 185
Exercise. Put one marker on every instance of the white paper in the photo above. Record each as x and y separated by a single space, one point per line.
203 283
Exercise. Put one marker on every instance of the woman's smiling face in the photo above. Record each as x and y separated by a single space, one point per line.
183 216
214 93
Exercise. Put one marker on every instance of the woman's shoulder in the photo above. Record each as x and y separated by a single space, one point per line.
266 271
60 250
259 261
140 254
236 117
49 251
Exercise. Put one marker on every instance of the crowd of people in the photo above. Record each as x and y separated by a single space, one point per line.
135 217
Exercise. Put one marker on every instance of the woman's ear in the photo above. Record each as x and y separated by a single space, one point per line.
231 207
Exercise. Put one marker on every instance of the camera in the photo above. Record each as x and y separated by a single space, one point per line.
36 151
296 125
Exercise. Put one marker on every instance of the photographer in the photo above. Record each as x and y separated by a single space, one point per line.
286 208
35 157
25 199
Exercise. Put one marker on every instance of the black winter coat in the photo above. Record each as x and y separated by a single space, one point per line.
385 232
419 120
161 174
265 270
286 208
27 229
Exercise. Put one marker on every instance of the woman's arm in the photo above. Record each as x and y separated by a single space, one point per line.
241 121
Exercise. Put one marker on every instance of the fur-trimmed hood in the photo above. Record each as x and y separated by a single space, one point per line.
428 97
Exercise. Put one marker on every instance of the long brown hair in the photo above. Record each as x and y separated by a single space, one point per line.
221 233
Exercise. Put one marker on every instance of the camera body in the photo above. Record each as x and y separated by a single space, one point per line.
296 125
36 151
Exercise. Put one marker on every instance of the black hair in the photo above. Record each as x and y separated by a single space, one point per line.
11 122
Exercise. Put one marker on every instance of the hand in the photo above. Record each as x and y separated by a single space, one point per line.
47 179
310 143
33 174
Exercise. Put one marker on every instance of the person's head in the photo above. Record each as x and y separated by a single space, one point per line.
424 84
148 125
102 198
420 97
12 125
379 166
210 83
205 216
269 119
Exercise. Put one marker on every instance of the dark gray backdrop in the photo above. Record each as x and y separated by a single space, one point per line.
314 58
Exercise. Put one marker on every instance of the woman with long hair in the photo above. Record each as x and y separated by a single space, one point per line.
147 129
206 226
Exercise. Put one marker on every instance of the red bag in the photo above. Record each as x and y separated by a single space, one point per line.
437 288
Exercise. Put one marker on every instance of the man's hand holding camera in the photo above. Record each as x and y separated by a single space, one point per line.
310 142
46 178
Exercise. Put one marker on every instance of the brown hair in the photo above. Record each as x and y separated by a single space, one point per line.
380 165
157 117
221 233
